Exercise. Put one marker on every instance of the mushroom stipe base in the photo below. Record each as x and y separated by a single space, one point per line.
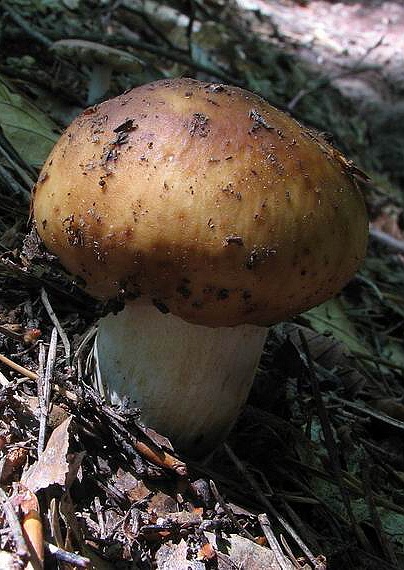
189 381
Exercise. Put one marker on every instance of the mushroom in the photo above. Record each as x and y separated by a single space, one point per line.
101 59
212 215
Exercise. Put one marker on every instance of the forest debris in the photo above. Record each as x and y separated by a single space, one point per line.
163 505
206 553
7 560
18 368
67 557
327 351
171 555
235 551
54 466
14 459
31 525
56 323
14 525
274 545
134 489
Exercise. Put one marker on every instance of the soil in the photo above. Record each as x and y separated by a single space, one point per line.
338 36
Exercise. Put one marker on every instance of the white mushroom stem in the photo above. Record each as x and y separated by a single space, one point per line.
100 81
189 381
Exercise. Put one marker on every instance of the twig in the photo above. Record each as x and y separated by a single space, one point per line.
229 512
17 168
33 532
158 456
56 323
44 388
18 368
15 527
41 398
3 381
377 360
67 557
15 187
100 516
263 499
331 443
149 450
77 355
394 244
273 543
367 486
369 411
24 25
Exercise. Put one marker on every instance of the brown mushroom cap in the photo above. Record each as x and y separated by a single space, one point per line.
203 199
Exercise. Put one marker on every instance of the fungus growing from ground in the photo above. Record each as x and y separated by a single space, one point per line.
102 61
212 215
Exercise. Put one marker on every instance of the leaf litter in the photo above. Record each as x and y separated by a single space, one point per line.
312 476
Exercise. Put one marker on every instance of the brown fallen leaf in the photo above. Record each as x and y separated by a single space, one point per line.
14 459
206 553
134 489
244 553
171 555
55 466
330 353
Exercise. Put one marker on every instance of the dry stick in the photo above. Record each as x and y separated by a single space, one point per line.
33 532
273 543
18 368
67 557
394 244
3 381
44 389
56 323
268 505
377 360
34 376
15 527
100 517
370 412
229 512
331 443
77 356
23 175
20 21
147 449
41 398
374 515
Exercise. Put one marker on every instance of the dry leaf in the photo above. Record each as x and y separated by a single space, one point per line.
329 352
55 466
162 504
14 459
243 553
206 552
171 555
134 489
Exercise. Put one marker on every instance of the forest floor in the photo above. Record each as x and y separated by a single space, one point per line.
312 476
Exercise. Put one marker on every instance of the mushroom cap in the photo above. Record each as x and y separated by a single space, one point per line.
92 53
203 199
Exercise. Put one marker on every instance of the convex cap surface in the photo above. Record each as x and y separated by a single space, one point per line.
203 199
